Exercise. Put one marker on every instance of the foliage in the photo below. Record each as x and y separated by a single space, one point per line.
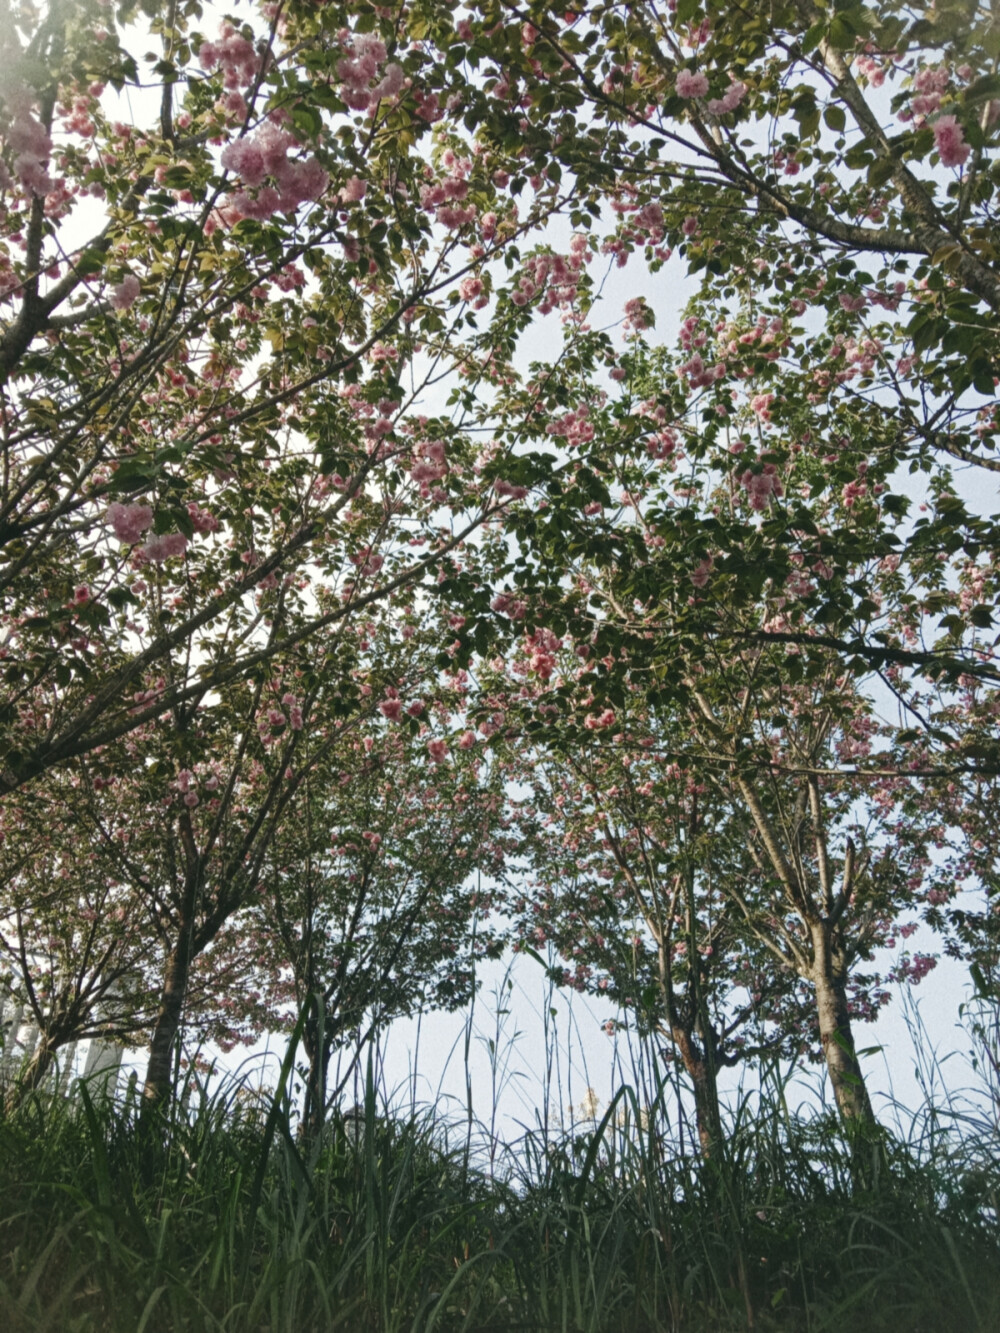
305 564
230 1224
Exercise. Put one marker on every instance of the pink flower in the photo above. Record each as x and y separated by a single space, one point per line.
245 158
126 293
508 488
638 314
81 595
699 576
729 100
438 751
354 191
163 548
467 740
760 486
33 175
27 134
201 520
391 709
691 85
594 722
128 521
950 141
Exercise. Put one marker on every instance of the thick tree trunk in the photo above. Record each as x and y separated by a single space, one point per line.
159 1071
842 1064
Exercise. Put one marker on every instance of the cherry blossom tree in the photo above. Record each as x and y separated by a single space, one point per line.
75 958
630 856
376 896
801 774
227 274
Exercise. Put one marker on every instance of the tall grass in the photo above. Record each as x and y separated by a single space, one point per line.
223 1219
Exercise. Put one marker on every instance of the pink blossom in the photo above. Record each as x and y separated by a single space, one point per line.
245 158
691 85
126 293
354 191
437 751
760 486
467 740
33 175
502 487
27 134
81 595
638 314
163 548
28 139
391 709
595 721
128 521
201 520
699 575
950 141
729 100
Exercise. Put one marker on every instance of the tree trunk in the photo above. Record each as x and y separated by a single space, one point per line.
708 1118
846 1078
681 1022
317 1045
159 1071
34 1074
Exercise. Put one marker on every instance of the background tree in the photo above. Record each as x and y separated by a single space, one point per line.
629 858
379 895
75 954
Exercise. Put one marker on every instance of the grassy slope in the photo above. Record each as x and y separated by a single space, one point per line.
226 1222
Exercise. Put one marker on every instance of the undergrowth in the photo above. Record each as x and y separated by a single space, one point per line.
220 1218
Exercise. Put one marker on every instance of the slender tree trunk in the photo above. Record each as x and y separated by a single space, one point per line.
708 1118
846 1078
695 1058
317 1045
33 1076
159 1071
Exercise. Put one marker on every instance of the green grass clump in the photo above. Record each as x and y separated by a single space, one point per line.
220 1218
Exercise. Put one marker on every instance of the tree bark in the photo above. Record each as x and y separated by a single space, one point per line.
708 1118
158 1084
33 1076
317 1043
830 981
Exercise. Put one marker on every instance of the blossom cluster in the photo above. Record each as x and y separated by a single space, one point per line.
263 155
234 55
554 278
31 144
364 83
760 486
